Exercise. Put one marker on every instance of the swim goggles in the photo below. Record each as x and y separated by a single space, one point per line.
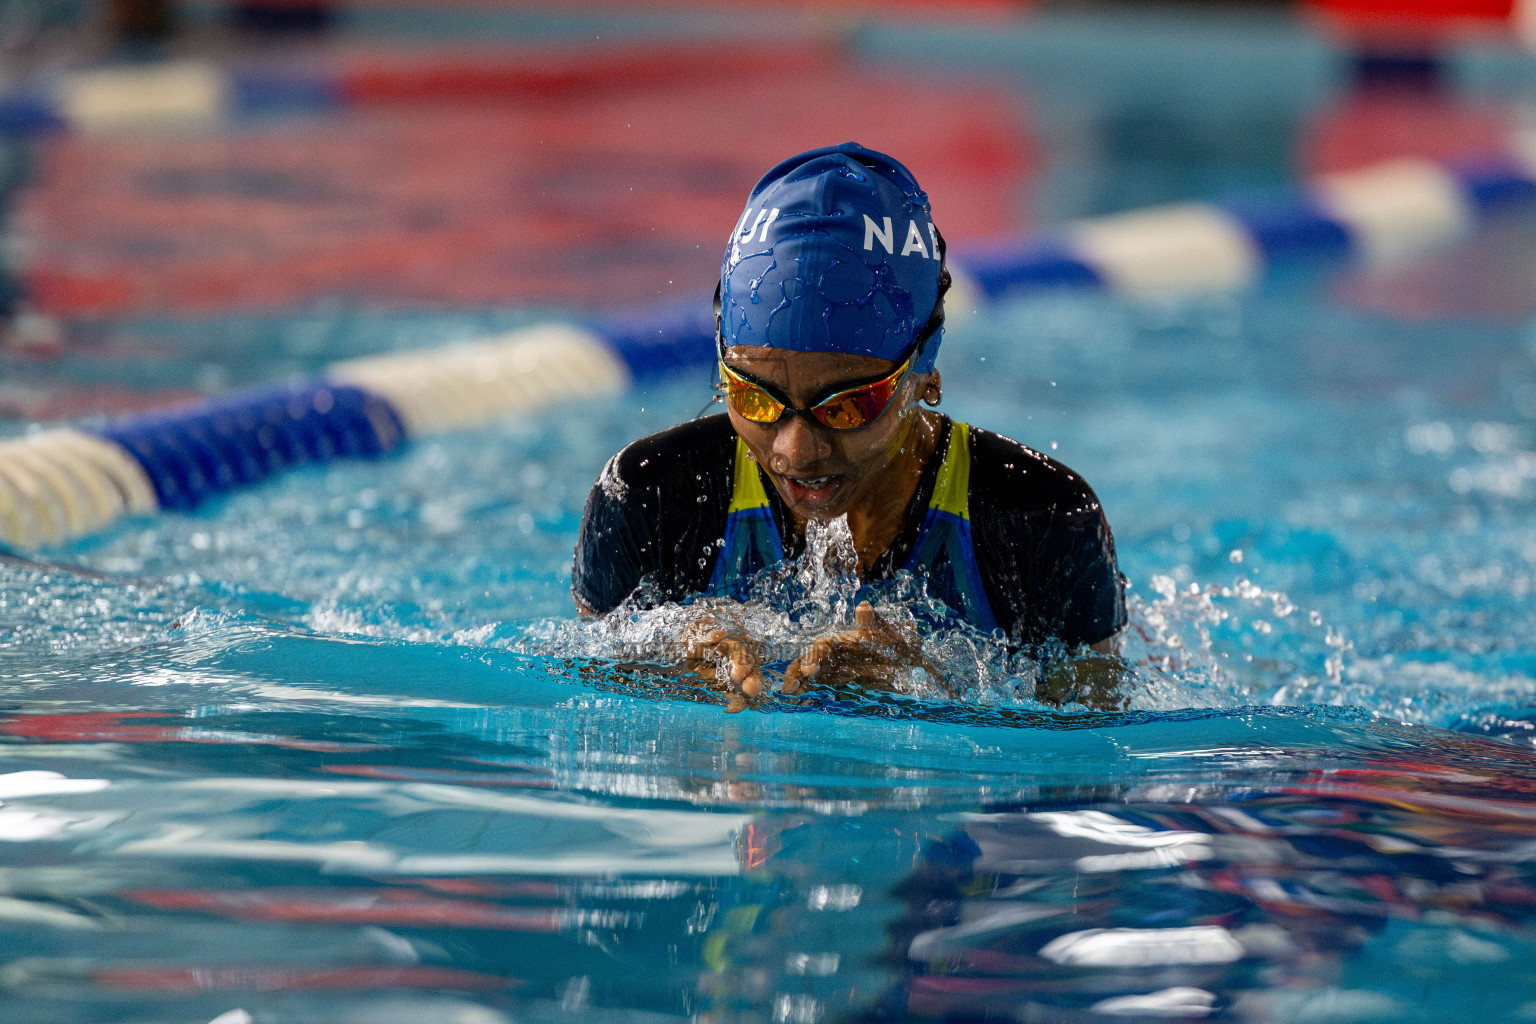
850 409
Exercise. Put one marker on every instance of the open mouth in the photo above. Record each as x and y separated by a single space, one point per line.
812 490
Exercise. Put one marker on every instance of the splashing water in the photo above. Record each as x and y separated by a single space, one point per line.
788 607
1215 646
1189 645
1192 646
366 681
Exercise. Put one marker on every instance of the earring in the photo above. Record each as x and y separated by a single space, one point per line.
933 390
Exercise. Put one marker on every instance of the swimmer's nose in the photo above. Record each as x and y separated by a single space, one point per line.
797 446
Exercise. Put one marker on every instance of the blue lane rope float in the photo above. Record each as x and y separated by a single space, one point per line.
65 483
243 438
1376 216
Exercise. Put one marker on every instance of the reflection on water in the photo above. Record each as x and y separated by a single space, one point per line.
1231 879
248 816
210 812
335 750
1353 897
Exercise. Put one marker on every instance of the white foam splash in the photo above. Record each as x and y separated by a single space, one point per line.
1230 645
788 607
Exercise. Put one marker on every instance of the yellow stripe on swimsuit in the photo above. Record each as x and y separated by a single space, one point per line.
951 489
747 484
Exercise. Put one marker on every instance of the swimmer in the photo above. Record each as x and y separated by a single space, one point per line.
829 315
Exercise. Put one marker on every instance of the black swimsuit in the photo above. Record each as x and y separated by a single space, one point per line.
1045 556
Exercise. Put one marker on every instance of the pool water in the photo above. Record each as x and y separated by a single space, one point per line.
336 750
333 750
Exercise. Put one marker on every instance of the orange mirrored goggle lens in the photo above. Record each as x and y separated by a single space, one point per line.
846 410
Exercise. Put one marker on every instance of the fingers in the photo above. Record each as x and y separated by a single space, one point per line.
878 629
872 648
743 670
701 650
810 661
828 650
823 655
715 651
741 663
794 680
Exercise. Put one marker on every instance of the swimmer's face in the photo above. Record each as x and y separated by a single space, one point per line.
823 473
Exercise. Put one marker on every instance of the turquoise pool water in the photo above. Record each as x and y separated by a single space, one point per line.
334 750
331 750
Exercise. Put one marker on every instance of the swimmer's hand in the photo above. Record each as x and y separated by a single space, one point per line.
719 649
872 652
1099 678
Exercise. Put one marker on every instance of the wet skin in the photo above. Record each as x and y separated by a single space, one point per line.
868 474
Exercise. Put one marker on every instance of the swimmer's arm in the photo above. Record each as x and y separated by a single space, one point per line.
1095 679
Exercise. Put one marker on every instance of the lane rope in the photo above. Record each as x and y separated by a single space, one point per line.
62 484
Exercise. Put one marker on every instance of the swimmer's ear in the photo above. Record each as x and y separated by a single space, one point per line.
933 389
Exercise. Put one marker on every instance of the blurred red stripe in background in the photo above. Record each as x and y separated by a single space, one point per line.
571 177
1421 22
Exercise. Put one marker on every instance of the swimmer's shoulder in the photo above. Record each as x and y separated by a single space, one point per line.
1008 475
679 455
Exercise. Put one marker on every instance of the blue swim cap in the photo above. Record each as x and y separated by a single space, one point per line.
836 252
